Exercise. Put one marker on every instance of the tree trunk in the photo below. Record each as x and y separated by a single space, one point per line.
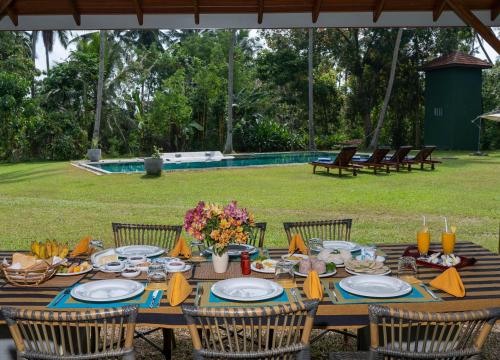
381 116
228 148
34 37
312 146
100 87
47 58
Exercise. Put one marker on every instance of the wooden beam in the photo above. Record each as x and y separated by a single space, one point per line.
13 16
495 11
260 13
377 11
438 9
139 12
196 12
316 10
74 12
4 4
470 19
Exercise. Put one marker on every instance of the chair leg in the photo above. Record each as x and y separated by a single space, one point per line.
387 169
304 354
168 335
421 166
314 169
409 167
340 171
432 166
354 173
327 170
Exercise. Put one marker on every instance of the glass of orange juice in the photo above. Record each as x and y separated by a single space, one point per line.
423 241
448 240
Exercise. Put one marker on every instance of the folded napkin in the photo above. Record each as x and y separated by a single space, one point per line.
297 243
312 286
83 247
181 248
450 282
178 289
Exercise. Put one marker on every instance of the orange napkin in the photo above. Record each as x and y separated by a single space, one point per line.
312 286
83 247
450 282
178 289
181 248
297 243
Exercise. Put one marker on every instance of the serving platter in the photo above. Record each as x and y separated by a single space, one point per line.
107 290
341 245
143 250
413 252
375 286
246 289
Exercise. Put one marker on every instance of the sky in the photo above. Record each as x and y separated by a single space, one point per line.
60 54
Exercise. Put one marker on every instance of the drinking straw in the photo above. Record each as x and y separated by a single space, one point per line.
445 223
424 219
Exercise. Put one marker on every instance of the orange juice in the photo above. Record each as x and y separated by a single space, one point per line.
423 242
448 240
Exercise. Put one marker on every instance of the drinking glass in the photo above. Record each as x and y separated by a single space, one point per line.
407 266
315 246
423 242
157 274
197 248
264 252
448 240
283 274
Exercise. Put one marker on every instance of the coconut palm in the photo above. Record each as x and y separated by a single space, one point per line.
48 37
228 148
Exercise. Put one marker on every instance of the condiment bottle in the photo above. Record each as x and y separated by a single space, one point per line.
245 263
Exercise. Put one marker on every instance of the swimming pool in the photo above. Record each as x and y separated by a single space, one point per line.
240 160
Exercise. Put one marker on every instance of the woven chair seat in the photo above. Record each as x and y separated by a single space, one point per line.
359 355
271 353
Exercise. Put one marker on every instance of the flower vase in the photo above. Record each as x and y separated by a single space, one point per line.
220 262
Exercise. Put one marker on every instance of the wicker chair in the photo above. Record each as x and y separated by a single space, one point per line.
270 332
258 234
323 229
403 334
164 236
78 335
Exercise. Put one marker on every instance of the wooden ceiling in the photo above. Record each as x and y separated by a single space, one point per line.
77 8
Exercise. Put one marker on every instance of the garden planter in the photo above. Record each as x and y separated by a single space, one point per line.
220 262
153 166
94 154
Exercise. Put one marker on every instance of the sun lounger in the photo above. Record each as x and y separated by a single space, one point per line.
375 160
398 158
341 162
422 157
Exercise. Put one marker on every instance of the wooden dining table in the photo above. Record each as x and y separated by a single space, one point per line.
481 280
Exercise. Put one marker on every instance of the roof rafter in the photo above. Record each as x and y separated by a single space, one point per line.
316 10
75 13
495 11
438 9
470 19
13 16
138 11
4 4
196 12
260 13
377 11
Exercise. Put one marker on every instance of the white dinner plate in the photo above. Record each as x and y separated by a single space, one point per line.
299 256
236 249
144 250
270 269
320 275
94 258
76 273
375 286
107 290
362 274
246 289
341 245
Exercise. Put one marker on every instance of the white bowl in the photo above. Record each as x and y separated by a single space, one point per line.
128 274
115 266
175 265
136 259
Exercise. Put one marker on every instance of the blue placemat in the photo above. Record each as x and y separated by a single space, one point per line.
67 302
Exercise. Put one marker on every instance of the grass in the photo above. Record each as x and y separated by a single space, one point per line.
56 200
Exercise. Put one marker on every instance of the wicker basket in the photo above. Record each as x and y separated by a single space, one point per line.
29 277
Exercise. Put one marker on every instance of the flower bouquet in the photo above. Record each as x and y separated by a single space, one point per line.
218 226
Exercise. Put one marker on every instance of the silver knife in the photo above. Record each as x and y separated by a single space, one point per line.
153 299
431 293
332 290
294 294
198 295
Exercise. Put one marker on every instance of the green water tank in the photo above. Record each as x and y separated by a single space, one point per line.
453 86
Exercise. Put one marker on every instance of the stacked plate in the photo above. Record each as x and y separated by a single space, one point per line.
375 286
107 290
246 289
341 245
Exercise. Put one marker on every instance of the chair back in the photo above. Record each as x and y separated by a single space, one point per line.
89 334
323 229
345 155
258 233
403 334
378 155
400 154
423 154
164 236
269 332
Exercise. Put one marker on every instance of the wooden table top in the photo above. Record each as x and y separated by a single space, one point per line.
482 283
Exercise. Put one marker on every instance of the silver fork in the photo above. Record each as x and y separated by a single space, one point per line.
293 291
331 285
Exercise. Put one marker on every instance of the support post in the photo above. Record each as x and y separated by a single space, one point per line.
312 146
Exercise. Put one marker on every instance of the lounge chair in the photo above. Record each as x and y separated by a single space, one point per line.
422 157
398 158
342 161
375 160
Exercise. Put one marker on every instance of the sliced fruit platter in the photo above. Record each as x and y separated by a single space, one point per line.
74 268
323 268
437 260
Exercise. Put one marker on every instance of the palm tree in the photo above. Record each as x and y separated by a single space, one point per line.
228 148
48 42
100 87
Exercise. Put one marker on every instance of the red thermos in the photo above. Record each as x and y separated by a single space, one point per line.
245 263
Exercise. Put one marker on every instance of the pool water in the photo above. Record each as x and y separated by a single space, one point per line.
238 161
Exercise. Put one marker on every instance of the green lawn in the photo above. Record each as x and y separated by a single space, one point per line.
56 200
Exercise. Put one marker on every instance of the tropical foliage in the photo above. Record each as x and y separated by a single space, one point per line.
170 89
